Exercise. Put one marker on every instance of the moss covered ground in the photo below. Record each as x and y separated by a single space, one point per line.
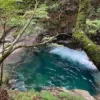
43 95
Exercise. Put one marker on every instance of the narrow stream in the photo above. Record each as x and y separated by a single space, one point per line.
57 67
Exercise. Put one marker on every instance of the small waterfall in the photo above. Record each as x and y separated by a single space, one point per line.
74 55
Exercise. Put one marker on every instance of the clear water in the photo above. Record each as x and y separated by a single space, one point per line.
58 67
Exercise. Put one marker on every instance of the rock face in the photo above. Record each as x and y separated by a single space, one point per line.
63 19
15 57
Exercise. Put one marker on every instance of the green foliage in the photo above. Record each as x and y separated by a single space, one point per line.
35 28
7 5
7 9
69 96
25 5
8 13
36 25
94 12
41 11
25 95
93 26
48 96
55 5
45 95
16 21
98 11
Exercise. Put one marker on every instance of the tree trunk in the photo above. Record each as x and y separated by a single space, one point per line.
2 65
92 50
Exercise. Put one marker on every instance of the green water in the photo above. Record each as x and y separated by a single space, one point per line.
45 69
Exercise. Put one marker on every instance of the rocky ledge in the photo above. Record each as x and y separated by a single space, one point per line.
47 94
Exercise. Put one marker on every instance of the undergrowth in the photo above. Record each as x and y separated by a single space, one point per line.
44 95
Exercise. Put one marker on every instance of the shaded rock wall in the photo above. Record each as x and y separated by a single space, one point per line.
63 19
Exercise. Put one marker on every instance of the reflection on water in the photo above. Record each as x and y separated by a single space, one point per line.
61 67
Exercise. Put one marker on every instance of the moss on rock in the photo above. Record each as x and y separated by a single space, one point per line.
92 50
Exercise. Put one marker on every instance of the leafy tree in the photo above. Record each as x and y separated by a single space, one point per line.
10 16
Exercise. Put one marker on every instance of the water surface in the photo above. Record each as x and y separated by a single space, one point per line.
57 67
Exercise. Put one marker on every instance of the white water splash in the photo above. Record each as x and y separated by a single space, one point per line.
74 55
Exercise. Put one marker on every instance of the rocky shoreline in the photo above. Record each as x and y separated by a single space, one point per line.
68 94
